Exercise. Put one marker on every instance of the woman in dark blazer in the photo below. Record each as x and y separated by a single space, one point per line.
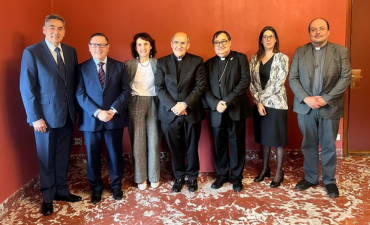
144 128
269 69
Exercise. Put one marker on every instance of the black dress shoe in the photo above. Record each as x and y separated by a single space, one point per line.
237 185
68 198
96 197
47 208
177 186
332 190
192 185
219 182
277 184
303 185
261 176
117 194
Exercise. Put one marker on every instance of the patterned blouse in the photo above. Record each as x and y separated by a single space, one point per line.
274 94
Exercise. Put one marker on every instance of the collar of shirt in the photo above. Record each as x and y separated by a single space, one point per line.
319 48
178 59
53 52
225 58
97 62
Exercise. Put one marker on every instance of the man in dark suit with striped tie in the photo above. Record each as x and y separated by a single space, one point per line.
103 93
48 71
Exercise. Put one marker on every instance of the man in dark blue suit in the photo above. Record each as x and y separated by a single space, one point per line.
48 71
103 92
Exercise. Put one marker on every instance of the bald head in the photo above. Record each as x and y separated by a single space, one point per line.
181 34
180 44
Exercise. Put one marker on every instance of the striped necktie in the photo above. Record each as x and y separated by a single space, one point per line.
101 74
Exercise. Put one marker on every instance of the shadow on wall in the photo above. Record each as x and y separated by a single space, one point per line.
20 133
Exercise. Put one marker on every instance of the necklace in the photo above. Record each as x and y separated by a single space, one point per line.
144 65
219 80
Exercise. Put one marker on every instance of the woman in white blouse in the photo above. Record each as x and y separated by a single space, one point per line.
144 128
269 69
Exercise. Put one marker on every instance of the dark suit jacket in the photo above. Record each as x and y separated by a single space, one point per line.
91 96
336 79
45 93
235 83
189 88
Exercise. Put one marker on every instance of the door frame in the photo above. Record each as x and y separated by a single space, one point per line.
347 94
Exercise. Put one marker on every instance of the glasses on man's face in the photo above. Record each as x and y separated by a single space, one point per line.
95 45
218 43
268 37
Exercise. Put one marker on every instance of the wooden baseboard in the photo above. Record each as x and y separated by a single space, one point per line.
359 152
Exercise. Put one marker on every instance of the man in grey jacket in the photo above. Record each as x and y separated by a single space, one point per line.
319 75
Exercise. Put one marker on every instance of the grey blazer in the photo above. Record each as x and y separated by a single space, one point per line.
336 79
131 66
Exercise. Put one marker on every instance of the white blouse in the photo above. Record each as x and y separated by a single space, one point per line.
143 83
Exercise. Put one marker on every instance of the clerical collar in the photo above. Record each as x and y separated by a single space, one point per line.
223 59
319 48
179 58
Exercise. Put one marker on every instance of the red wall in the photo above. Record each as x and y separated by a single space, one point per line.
21 25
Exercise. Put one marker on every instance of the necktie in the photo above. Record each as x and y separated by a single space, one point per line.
60 62
101 74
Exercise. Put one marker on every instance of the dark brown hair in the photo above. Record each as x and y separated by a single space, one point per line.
145 37
261 50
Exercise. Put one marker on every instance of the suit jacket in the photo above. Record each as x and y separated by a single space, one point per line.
46 94
337 77
274 94
189 88
234 84
91 96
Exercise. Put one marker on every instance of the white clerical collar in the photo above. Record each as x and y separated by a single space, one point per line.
317 48
222 59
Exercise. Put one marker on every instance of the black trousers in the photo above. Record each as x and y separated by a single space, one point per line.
233 131
183 139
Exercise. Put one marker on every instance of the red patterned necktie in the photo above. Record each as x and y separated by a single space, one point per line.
101 74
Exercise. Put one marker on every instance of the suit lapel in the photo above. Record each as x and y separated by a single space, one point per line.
93 73
328 58
309 60
185 69
51 59
230 68
109 71
172 66
67 62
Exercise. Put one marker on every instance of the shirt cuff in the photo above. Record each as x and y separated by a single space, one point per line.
33 123
96 112
114 110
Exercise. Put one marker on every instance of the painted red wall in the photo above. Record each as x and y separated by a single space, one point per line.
21 25
19 28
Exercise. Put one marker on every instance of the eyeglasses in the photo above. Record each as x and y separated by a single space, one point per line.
95 45
218 43
176 43
268 37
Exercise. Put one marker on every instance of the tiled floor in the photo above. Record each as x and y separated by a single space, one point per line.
256 204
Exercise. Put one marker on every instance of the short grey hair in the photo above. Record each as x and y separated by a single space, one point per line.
54 17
